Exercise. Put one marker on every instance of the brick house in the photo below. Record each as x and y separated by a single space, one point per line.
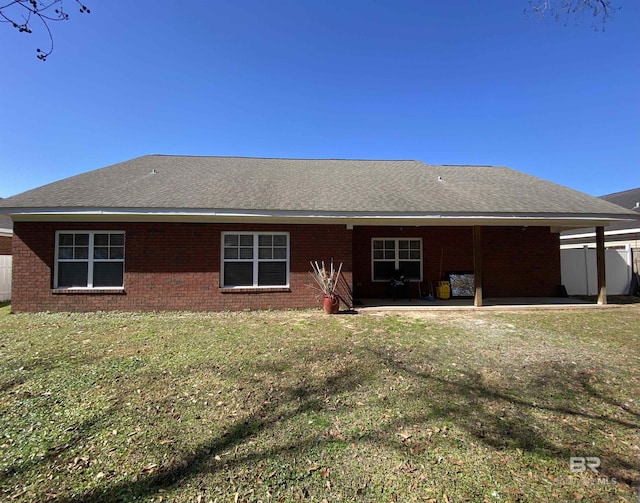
225 233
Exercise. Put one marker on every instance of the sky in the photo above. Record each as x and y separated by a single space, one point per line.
444 82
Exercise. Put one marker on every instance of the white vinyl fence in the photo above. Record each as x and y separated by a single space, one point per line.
5 277
579 273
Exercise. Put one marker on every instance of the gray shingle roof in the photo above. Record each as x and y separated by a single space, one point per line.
308 185
626 199
6 223
629 199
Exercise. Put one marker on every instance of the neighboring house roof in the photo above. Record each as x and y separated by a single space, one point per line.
233 186
6 225
629 199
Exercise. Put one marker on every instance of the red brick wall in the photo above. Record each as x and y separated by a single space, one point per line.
454 244
520 262
517 261
5 245
170 266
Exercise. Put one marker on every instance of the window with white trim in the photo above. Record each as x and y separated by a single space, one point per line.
255 259
396 254
89 259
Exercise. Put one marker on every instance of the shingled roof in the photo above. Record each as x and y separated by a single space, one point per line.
156 183
6 224
629 199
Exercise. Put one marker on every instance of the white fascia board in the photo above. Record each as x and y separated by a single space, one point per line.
617 232
298 217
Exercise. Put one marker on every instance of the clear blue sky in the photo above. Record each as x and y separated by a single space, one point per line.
445 82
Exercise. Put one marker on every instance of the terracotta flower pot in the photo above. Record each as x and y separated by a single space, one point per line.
331 305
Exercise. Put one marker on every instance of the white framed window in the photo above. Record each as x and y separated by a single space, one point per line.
89 259
389 255
255 259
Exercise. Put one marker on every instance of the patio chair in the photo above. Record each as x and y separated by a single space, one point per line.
399 285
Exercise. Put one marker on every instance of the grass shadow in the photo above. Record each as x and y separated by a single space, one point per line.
205 458
503 419
295 380
78 433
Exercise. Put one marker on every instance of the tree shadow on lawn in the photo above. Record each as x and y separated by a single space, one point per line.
500 419
78 434
30 368
203 458
504 420
33 400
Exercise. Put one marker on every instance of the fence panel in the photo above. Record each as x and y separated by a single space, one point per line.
5 277
579 272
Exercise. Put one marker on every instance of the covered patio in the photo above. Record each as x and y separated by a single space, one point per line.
516 265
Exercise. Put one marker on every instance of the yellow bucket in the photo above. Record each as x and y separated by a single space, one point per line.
443 290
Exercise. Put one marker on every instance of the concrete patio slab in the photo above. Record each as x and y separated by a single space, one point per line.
510 303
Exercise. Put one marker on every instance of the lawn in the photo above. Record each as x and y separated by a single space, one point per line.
301 406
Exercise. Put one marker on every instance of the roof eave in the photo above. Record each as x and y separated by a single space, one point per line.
560 221
614 233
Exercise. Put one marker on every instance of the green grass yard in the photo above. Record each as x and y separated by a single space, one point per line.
300 406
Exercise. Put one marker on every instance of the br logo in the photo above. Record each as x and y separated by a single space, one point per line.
581 465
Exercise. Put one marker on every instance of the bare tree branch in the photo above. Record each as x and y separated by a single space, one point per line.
600 10
20 14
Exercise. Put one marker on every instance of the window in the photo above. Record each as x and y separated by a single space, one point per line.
89 259
255 259
390 254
